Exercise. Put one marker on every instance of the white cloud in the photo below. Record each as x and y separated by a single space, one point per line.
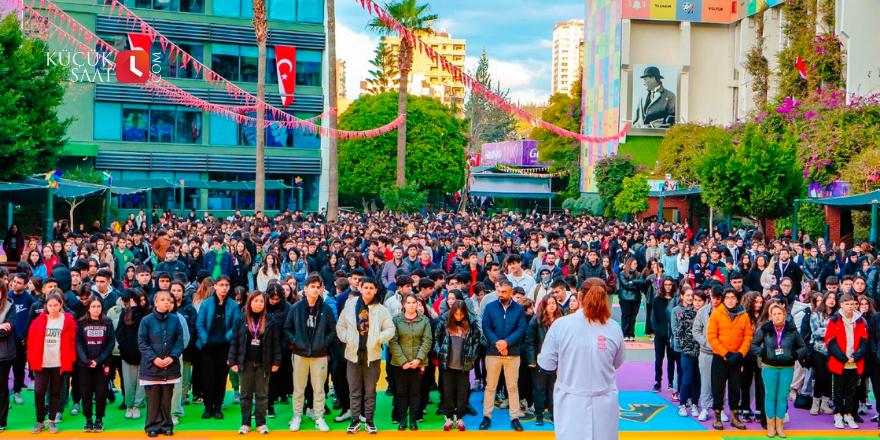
527 80
356 49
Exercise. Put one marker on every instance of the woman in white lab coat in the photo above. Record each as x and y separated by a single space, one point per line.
585 349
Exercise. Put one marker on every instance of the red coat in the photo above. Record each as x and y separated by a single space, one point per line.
37 337
835 340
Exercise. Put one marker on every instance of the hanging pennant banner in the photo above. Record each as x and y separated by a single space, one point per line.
140 42
285 65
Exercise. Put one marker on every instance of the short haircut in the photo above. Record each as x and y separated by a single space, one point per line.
513 258
403 280
359 272
418 273
314 278
491 265
369 281
142 268
104 273
425 283
558 283
503 283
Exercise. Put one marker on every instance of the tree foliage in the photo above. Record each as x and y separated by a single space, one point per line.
384 78
751 175
681 147
435 146
407 199
94 203
611 171
633 197
811 220
486 122
32 137
565 112
589 204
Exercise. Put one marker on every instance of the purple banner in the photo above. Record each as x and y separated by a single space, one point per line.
831 190
512 153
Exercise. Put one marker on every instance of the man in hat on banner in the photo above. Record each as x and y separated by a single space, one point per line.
657 109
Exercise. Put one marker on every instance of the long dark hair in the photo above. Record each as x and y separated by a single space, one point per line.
454 326
546 319
250 317
139 298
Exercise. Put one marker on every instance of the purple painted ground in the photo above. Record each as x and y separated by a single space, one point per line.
639 376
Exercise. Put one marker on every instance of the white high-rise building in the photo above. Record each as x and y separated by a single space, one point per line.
568 38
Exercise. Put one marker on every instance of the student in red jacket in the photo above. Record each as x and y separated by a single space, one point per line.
847 341
51 351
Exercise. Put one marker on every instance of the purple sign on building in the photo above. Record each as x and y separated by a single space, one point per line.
512 153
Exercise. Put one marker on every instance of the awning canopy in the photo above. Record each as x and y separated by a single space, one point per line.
33 191
510 185
677 192
199 184
858 202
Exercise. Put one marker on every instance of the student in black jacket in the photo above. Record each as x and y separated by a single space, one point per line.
254 353
94 347
310 331
161 341
7 347
281 381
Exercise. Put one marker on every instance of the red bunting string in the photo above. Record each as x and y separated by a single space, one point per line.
180 96
373 8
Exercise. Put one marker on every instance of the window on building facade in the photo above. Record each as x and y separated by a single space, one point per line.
176 69
239 63
158 123
308 68
224 60
135 124
303 11
193 6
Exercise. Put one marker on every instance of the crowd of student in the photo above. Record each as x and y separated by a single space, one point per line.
291 307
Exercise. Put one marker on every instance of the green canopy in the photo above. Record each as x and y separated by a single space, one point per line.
858 202
676 192
33 191
219 185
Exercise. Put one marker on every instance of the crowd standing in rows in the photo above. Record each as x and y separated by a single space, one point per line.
291 307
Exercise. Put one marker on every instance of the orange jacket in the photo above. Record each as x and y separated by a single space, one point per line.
726 336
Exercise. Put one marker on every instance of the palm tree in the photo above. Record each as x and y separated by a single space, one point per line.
413 17
261 29
333 153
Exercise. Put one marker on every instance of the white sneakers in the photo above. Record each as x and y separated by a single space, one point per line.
694 410
244 429
128 413
850 422
814 409
826 406
683 411
295 424
704 415
135 413
838 421
321 425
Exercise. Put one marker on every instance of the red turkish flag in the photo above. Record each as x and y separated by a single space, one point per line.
140 41
801 67
285 66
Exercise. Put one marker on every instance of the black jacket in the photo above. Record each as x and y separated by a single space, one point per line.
270 342
873 335
94 342
160 336
591 271
127 336
535 335
660 317
7 338
190 314
297 331
764 345
279 313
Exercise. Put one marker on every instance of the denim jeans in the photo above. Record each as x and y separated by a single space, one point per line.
777 383
690 380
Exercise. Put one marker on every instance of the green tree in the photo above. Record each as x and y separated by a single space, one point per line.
751 175
486 122
435 146
681 147
407 199
415 18
384 77
32 137
633 196
610 172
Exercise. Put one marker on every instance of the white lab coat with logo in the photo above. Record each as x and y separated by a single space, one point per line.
585 356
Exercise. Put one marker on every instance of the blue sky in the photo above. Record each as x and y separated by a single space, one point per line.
517 35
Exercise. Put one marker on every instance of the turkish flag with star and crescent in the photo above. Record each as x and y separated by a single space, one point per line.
285 66
140 41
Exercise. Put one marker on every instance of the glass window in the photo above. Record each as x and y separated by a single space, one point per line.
310 11
194 6
134 124
303 138
282 10
247 9
176 68
189 127
227 8
224 61
162 124
166 5
139 3
249 59
159 58
308 68
271 68
224 131
108 121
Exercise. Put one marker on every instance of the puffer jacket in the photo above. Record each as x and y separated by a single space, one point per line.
684 333
7 338
381 329
818 326
159 336
412 340
126 336
534 341
874 339
588 270
205 319
835 339
296 330
726 335
765 342
270 342
470 350
873 281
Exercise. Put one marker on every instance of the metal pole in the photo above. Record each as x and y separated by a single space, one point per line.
794 220
107 203
149 210
299 200
711 220
182 201
728 224
550 206
660 209
873 221
10 207
48 228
